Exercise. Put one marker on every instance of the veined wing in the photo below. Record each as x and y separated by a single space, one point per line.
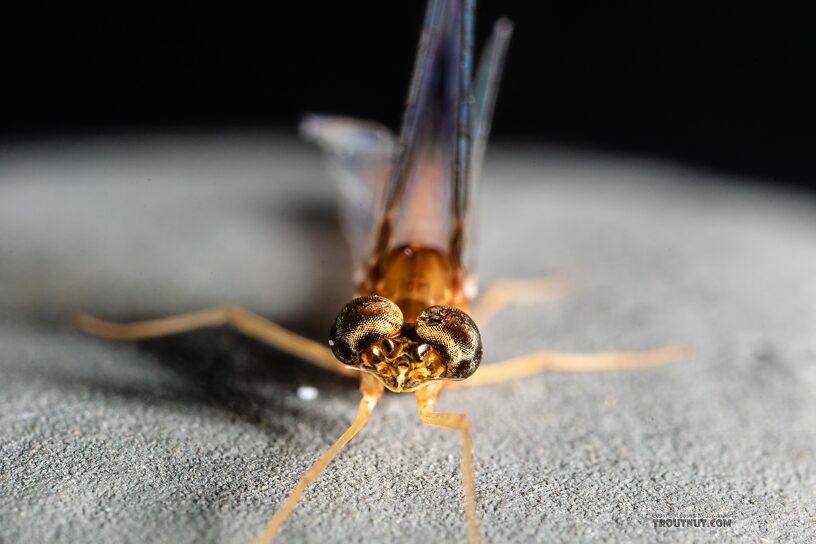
420 191
444 132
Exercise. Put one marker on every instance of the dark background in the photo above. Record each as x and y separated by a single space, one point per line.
726 86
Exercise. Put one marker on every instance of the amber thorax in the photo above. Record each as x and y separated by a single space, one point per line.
415 277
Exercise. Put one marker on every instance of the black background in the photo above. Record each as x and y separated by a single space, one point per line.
725 86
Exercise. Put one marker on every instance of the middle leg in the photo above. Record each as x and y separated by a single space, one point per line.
506 292
527 365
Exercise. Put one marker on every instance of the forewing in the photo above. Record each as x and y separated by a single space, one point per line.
420 189
424 195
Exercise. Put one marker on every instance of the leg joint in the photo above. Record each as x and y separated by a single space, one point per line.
233 313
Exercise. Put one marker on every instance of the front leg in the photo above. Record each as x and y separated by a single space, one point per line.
371 390
426 398
244 321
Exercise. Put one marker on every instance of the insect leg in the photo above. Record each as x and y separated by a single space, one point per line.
372 390
503 293
426 398
246 322
534 363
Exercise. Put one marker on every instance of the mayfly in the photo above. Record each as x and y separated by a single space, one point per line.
409 327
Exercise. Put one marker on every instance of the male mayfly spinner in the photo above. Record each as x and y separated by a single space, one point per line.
409 327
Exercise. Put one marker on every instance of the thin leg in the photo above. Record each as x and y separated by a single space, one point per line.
372 390
534 363
246 322
426 398
503 293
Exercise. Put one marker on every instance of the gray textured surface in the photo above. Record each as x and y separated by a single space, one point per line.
198 438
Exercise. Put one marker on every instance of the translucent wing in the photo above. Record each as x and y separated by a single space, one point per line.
359 159
484 93
418 190
423 194
442 142
486 89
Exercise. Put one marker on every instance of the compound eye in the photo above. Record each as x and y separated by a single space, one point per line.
452 333
362 322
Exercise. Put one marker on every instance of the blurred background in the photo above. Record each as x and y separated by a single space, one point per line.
726 86
658 151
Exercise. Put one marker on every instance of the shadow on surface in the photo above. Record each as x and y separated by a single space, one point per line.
224 369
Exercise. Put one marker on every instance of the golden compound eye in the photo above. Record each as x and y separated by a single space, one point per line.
452 333
362 322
